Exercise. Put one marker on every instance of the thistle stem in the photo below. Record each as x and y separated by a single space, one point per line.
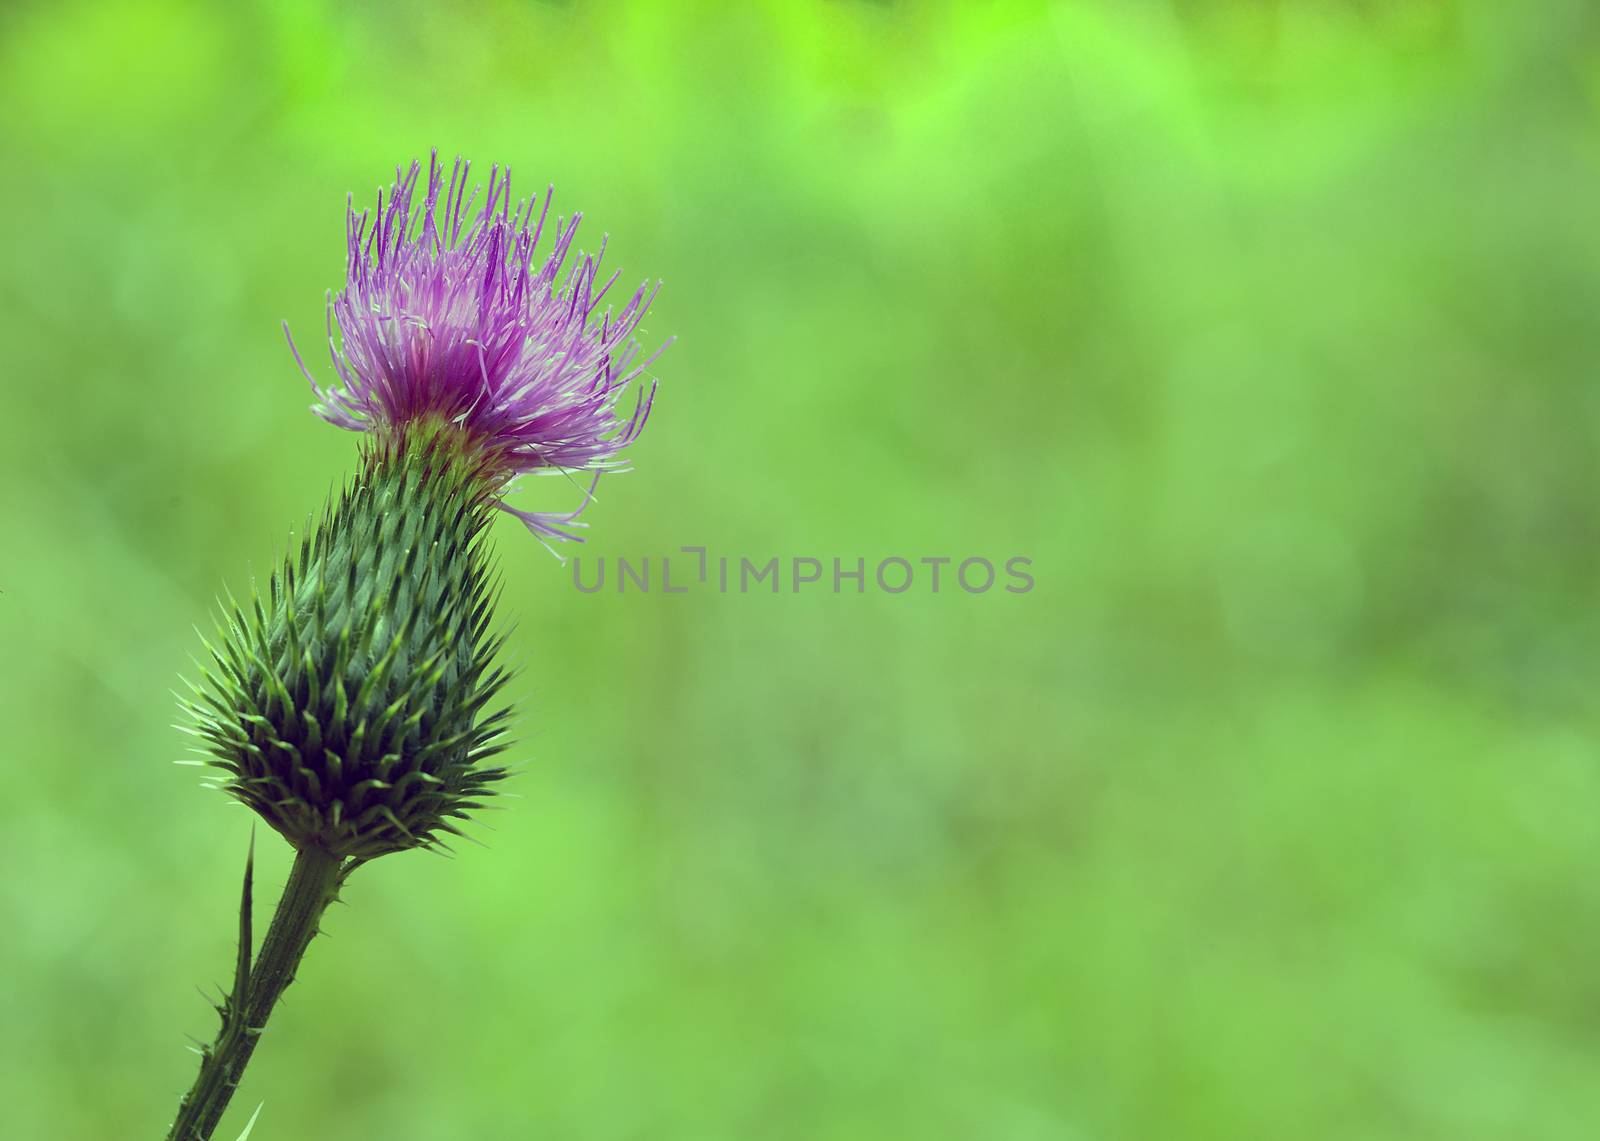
313 883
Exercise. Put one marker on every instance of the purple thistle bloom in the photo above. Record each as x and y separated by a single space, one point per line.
446 315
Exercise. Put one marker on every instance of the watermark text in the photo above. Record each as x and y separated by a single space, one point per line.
696 569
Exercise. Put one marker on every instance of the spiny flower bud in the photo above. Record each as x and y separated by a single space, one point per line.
351 705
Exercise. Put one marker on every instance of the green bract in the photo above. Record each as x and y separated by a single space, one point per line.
350 705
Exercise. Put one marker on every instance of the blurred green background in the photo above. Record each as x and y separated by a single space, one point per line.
1266 329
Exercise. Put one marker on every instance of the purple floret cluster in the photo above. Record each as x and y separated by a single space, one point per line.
450 314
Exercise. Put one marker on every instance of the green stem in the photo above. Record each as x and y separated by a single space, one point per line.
313 884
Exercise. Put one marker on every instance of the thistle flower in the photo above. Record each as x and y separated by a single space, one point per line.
459 320
352 703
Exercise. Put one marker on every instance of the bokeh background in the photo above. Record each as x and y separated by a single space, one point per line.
1266 329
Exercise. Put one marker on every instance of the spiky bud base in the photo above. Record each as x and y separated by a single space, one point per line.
351 705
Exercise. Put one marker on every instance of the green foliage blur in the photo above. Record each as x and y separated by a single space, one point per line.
1265 329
